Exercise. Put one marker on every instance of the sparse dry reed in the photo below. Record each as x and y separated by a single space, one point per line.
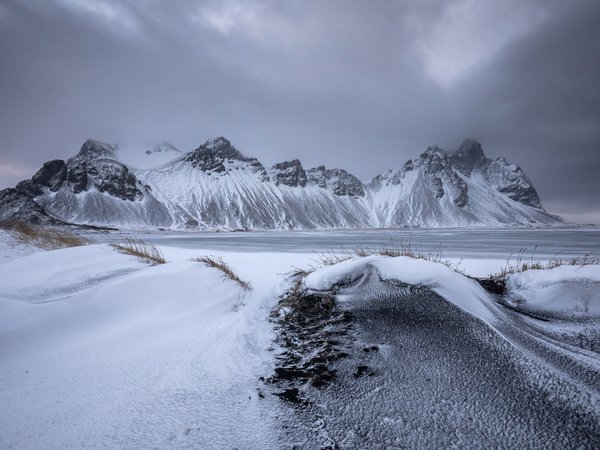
47 238
218 263
394 249
522 264
141 249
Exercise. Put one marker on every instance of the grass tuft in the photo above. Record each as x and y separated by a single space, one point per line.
141 249
396 248
522 264
43 237
218 263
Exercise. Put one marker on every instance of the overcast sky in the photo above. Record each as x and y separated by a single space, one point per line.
361 85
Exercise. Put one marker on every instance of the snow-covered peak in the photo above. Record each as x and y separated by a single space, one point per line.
220 156
218 142
220 148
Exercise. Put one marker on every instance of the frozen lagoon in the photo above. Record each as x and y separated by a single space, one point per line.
500 243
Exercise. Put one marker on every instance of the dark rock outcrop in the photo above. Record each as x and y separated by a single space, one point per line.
290 173
512 182
19 206
438 167
338 181
218 156
468 157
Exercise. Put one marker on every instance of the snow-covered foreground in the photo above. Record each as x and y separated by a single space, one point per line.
100 349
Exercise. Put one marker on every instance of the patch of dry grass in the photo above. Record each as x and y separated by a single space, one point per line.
218 263
522 264
47 238
396 248
141 249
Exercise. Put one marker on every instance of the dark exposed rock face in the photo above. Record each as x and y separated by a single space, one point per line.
90 169
468 157
77 177
512 181
289 173
52 175
93 167
15 205
506 178
218 156
436 186
80 174
442 178
338 181
113 178
434 160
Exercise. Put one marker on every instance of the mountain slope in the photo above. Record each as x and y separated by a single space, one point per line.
463 188
217 186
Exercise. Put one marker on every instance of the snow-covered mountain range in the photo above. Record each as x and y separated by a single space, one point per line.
216 186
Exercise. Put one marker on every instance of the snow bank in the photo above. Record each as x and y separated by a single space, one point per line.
454 287
148 357
562 291
50 275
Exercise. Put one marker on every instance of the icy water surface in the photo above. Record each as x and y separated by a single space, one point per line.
461 243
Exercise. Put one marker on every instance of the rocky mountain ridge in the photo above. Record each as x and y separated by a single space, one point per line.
217 186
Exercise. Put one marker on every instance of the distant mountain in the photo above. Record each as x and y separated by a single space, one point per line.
216 186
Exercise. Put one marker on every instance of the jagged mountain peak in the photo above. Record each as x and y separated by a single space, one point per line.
434 159
217 142
219 148
94 149
468 156
218 155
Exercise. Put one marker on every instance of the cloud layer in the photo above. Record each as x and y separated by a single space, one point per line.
362 85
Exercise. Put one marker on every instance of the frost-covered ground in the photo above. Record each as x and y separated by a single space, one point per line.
100 349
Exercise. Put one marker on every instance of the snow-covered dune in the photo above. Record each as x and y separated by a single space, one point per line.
99 349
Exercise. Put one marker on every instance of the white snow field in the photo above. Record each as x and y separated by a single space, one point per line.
100 349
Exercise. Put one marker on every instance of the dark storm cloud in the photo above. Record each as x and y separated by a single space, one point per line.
362 85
